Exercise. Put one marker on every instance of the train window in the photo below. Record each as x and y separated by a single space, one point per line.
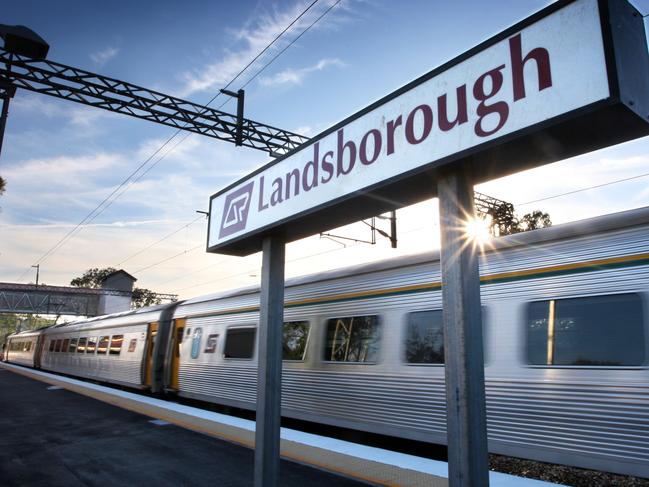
352 339
132 345
196 342
102 344
592 331
57 345
65 345
239 343
52 343
116 344
425 337
81 347
210 344
294 339
91 345
73 345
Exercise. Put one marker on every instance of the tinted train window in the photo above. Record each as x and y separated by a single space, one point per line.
132 345
425 337
597 330
81 348
295 334
102 344
52 343
239 343
66 344
73 345
352 339
57 345
116 344
91 345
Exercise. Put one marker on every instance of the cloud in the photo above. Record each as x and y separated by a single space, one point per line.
296 76
252 38
115 224
102 57
90 119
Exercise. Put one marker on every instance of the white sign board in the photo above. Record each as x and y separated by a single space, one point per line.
547 68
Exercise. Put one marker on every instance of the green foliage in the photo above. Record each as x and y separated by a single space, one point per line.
3 185
11 323
534 220
92 278
505 222
144 297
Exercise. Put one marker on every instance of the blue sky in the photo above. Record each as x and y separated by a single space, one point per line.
61 159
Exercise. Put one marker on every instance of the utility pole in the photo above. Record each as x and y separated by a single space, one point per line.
38 268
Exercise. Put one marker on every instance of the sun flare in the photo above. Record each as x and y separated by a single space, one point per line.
478 231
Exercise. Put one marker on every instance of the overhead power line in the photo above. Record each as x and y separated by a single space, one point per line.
291 43
139 271
169 235
115 194
271 60
644 175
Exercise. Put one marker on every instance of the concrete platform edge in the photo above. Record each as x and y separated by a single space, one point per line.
369 464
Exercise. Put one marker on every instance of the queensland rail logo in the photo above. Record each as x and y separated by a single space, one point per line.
235 210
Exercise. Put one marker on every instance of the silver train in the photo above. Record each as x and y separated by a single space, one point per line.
565 313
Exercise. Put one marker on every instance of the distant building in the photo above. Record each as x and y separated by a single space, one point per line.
122 283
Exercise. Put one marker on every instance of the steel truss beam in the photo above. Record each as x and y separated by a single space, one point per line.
59 80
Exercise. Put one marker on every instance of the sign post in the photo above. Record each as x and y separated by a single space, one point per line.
269 371
468 462
571 78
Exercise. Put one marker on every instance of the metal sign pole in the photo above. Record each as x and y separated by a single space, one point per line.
468 462
269 375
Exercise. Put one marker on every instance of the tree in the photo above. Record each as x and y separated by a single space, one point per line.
3 185
92 278
144 297
534 220
11 323
509 224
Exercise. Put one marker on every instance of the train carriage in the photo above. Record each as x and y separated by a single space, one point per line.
565 327
118 348
21 348
564 320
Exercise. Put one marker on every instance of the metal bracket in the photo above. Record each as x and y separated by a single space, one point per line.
392 236
239 95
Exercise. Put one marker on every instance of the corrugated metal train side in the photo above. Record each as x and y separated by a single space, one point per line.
592 416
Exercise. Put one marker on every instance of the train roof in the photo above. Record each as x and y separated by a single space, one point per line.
599 224
100 321
28 333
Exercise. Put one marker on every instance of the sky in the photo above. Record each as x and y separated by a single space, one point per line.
62 159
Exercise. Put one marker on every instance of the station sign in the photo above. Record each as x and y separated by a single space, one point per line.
571 78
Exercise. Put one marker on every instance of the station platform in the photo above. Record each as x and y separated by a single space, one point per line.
57 431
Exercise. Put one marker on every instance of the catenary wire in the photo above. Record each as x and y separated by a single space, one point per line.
146 268
107 201
169 235
263 67
308 256
638 176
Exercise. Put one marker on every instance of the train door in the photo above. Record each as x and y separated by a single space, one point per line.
38 352
177 340
150 343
